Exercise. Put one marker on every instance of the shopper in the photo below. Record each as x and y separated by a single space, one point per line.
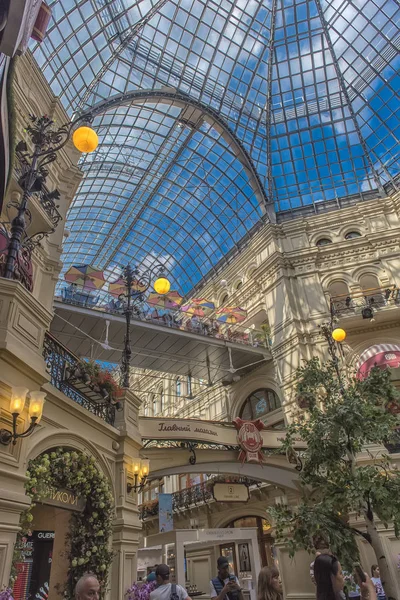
269 584
152 575
87 587
225 586
376 580
165 589
330 580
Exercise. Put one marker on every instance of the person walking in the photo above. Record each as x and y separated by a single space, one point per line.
226 585
269 584
167 590
330 580
376 580
87 587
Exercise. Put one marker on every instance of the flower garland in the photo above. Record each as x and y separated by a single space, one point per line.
88 547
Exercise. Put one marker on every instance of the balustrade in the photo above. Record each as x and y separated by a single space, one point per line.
374 298
61 365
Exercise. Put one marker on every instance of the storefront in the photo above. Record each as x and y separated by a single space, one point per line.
192 556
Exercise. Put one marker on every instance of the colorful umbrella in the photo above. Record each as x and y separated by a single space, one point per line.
198 307
231 315
116 288
171 300
86 276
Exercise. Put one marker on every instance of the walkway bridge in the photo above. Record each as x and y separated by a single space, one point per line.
177 446
158 344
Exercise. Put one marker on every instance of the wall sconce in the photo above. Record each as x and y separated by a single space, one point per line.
17 405
141 469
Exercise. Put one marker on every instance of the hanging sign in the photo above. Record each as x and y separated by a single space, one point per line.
230 492
250 440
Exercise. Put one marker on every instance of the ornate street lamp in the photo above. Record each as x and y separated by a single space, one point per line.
17 404
141 470
33 172
137 282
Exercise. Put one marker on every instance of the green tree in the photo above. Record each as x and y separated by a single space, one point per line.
339 417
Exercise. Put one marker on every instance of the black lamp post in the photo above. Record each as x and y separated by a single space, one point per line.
33 173
137 282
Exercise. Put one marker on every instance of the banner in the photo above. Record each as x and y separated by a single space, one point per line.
165 514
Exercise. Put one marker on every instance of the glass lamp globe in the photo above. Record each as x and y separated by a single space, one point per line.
162 286
339 335
85 139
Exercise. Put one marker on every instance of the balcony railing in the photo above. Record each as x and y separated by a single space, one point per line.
373 299
191 496
104 302
60 363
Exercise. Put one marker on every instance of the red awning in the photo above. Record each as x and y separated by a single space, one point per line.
382 356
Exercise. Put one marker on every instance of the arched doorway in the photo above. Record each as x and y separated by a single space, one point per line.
265 540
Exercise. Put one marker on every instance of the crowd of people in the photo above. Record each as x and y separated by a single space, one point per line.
326 573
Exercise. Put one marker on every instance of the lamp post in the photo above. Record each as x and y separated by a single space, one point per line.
33 168
17 404
334 337
141 469
137 282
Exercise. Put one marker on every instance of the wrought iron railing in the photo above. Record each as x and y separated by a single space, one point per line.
59 362
356 302
102 301
195 495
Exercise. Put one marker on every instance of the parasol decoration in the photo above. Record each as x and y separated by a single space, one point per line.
116 288
86 276
167 301
231 315
198 307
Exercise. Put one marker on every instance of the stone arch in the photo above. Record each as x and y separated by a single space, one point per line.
283 477
250 270
223 519
373 270
67 439
349 228
244 390
328 279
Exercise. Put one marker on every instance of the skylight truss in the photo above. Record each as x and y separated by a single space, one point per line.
309 89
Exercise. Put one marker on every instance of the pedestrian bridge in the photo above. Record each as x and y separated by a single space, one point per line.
177 446
158 344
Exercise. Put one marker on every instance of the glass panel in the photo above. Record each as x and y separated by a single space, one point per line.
310 97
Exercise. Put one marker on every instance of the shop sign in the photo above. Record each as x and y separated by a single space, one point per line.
33 571
250 440
203 431
64 499
230 492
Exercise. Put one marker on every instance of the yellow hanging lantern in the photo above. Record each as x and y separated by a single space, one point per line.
85 139
339 335
162 286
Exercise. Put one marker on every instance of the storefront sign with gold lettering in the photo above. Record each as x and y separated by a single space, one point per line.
230 492
64 499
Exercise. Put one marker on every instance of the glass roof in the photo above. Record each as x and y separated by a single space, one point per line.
212 112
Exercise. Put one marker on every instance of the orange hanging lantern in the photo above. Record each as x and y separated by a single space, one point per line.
85 139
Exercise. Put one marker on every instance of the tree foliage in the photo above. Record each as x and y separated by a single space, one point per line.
339 418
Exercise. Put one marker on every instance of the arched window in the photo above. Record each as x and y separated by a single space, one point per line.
178 387
224 299
146 409
239 285
369 284
154 404
351 235
259 403
324 242
161 392
338 288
